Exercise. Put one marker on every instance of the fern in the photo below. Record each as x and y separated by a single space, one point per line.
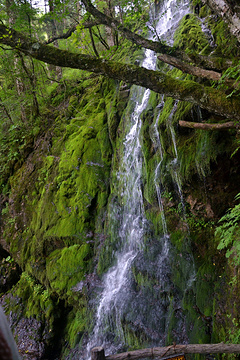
229 232
232 73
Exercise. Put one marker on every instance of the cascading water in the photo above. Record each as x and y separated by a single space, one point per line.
131 229
119 302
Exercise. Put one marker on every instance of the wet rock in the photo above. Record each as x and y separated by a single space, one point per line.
33 337
30 339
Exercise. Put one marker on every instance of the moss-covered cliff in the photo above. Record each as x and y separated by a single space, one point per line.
56 237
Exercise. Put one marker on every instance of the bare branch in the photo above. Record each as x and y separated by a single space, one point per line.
176 350
189 69
86 25
204 126
128 34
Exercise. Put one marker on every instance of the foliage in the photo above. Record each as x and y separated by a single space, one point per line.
232 74
226 44
229 233
65 200
37 299
189 35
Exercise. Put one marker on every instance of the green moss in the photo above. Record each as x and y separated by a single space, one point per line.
198 149
144 280
154 215
198 329
189 34
135 340
63 195
178 238
166 111
113 120
204 11
76 326
205 279
226 43
38 301
66 267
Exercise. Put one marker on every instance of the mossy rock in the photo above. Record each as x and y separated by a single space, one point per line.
66 267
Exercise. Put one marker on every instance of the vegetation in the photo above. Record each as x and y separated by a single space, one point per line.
228 232
205 96
65 80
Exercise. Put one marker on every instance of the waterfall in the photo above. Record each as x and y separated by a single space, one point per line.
118 299
131 229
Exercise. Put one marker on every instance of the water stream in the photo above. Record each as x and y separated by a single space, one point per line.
119 302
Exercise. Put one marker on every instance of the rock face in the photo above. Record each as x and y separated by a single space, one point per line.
56 233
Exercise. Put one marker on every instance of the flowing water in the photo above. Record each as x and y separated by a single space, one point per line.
120 303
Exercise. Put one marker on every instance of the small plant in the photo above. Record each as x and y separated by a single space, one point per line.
5 210
229 232
9 259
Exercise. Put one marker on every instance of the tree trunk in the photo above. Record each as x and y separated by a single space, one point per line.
97 353
57 69
176 350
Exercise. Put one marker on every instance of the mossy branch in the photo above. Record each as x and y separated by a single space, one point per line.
208 98
208 62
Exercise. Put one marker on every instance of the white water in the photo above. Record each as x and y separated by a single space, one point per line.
132 225
131 230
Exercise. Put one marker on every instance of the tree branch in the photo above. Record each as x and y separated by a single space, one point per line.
197 71
62 36
93 43
207 62
205 126
189 69
128 34
175 350
86 25
206 97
